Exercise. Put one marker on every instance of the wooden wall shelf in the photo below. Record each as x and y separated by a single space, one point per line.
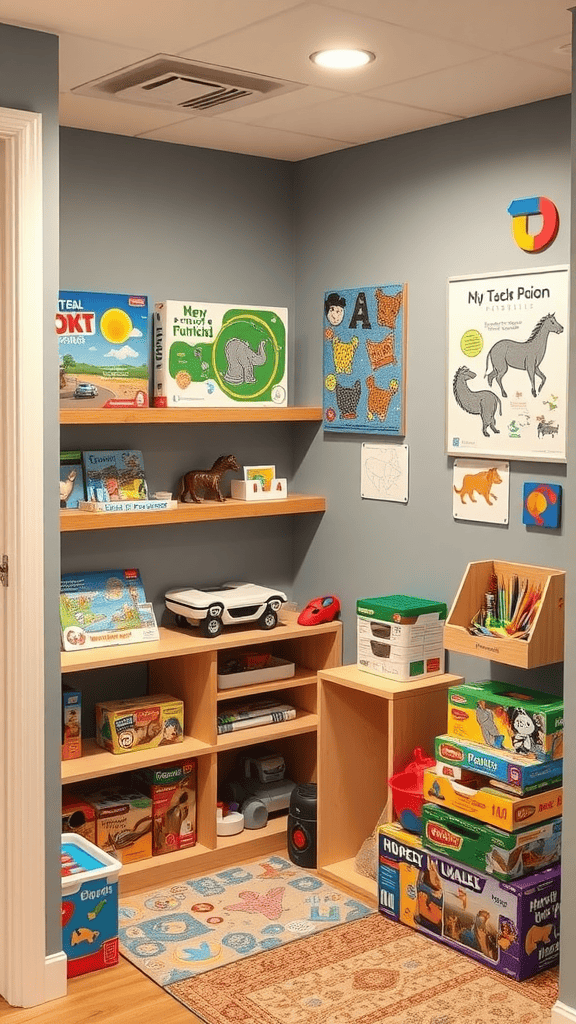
71 520
241 414
544 646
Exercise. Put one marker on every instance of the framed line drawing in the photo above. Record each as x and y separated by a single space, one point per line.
364 359
384 472
507 365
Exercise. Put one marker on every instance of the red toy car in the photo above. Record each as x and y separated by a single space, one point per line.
320 609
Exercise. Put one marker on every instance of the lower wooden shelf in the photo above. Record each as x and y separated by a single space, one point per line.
97 763
344 872
159 871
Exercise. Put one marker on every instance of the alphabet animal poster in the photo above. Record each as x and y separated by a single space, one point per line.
365 359
507 388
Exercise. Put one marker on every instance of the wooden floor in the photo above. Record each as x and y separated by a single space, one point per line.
120 994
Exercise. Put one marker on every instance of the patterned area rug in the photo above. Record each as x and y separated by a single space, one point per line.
372 971
187 929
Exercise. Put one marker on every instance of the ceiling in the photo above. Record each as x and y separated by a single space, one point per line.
436 61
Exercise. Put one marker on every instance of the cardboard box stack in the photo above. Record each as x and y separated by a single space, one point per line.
484 875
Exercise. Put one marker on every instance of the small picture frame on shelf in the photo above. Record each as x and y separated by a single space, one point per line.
260 483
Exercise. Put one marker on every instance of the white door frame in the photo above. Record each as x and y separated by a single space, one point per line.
27 975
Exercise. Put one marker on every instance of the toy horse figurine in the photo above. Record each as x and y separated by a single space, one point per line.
208 479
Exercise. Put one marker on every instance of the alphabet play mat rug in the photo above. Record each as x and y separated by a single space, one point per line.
186 929
371 971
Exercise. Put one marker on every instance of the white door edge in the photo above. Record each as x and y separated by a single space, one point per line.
24 966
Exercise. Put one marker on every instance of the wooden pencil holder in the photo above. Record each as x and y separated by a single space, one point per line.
545 643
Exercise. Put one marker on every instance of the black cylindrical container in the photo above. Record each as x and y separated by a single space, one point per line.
302 825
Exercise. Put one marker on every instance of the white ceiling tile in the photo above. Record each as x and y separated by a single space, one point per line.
117 118
497 25
281 46
491 83
548 52
82 59
357 119
155 25
207 133
256 113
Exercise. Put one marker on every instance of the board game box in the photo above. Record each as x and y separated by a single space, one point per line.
101 609
505 855
501 716
513 927
105 351
505 769
219 354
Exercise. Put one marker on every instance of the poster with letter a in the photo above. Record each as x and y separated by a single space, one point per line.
364 341
507 386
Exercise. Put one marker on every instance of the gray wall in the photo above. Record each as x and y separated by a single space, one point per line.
422 208
29 81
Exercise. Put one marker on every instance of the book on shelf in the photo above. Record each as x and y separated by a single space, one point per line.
115 476
249 714
72 490
102 609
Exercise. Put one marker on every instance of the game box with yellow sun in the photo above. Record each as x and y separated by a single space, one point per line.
104 349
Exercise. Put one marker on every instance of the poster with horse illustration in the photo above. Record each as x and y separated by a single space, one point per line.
507 387
364 342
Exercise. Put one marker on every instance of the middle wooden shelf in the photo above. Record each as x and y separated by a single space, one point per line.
73 520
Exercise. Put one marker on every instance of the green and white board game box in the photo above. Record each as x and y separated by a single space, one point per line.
219 354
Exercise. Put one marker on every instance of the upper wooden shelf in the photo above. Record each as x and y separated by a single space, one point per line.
174 642
242 414
190 512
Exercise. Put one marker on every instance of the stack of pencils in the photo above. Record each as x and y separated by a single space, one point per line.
509 608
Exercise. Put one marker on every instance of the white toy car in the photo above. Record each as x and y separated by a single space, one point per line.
228 604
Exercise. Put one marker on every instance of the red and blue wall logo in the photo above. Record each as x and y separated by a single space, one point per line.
521 210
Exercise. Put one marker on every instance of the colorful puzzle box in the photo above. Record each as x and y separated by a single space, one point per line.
89 906
123 823
105 350
219 354
505 855
501 716
513 927
139 723
514 772
102 609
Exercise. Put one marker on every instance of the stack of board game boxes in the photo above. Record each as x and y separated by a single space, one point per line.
484 875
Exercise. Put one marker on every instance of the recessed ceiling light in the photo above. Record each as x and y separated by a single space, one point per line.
342 60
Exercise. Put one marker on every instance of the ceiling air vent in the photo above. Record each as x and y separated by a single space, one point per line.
173 83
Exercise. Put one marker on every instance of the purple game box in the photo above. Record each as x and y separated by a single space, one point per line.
511 926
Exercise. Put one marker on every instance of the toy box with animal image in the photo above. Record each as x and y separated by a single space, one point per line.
513 927
500 716
505 855
104 346
102 609
513 772
172 789
219 354
475 798
89 906
139 723
123 822
71 723
401 637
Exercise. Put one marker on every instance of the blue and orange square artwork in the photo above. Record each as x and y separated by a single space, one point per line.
542 505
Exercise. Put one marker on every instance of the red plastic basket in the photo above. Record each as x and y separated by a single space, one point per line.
408 791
